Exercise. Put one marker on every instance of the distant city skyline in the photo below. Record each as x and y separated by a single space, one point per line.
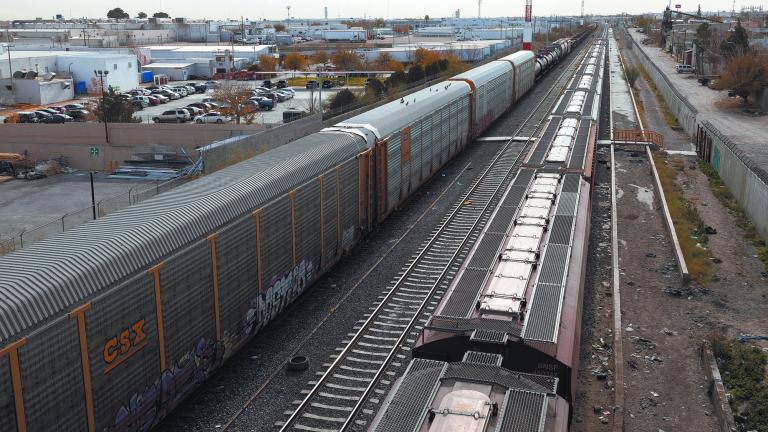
302 9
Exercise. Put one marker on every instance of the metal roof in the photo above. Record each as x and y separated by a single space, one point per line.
394 116
485 73
54 275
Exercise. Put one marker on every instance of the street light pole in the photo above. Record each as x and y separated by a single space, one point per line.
8 46
102 74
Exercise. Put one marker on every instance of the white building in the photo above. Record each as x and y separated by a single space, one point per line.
79 65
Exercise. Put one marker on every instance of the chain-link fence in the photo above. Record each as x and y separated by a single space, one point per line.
103 207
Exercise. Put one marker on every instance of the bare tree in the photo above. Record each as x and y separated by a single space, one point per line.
234 96
746 75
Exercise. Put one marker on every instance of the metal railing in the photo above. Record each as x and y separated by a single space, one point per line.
134 195
638 136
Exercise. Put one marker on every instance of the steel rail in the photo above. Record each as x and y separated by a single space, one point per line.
445 233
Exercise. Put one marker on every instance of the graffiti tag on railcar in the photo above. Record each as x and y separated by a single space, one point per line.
124 345
146 407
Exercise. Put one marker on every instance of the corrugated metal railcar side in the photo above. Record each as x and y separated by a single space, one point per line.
413 138
492 92
524 64
110 325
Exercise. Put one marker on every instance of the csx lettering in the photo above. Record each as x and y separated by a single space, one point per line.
124 342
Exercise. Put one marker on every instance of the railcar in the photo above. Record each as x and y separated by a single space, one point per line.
110 325
517 298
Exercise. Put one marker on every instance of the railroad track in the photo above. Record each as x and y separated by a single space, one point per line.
360 371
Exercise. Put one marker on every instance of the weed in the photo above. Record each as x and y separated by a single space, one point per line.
690 227
742 367
726 198
668 116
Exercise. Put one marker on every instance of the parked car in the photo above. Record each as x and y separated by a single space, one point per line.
327 84
212 117
177 115
153 100
59 109
181 90
163 99
28 117
140 100
190 89
199 87
280 96
211 101
684 68
312 84
267 83
57 118
42 114
200 105
289 90
271 96
288 95
211 84
49 110
262 102
75 106
137 105
282 84
195 111
78 114
170 94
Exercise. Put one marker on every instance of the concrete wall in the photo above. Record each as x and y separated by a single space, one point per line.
75 140
232 150
749 188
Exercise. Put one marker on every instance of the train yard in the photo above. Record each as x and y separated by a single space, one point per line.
486 314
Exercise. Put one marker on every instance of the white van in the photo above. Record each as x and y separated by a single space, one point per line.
684 68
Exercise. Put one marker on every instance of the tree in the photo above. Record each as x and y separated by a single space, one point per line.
320 57
630 75
118 109
141 15
740 38
295 61
267 63
415 73
396 79
432 68
279 27
382 60
346 60
375 89
379 23
426 18
117 13
235 95
342 99
424 56
160 15
746 74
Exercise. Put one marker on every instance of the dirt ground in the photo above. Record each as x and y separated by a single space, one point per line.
663 320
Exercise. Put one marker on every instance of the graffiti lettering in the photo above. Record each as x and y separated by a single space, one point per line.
145 408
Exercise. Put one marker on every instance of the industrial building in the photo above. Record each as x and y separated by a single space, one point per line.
200 61
76 66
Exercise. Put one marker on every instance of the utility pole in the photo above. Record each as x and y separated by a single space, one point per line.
102 74
10 68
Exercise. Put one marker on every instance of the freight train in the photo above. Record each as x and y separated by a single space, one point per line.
501 350
110 325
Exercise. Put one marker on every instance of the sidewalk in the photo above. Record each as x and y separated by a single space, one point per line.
749 133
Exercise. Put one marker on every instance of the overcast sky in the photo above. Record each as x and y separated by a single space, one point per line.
273 9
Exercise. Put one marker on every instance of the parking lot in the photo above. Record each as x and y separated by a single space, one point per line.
300 102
